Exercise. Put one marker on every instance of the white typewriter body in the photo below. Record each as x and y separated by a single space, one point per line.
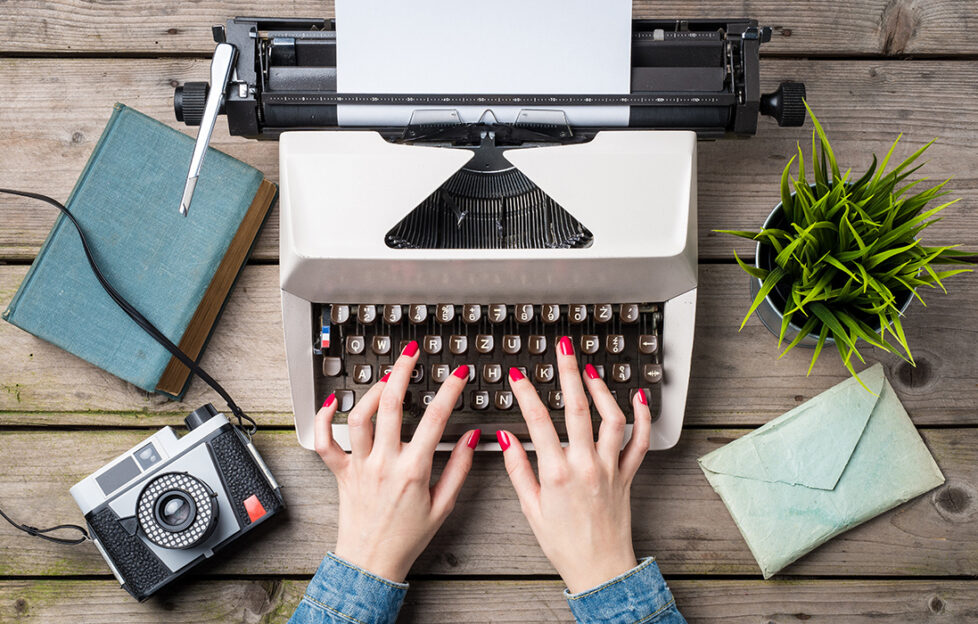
342 191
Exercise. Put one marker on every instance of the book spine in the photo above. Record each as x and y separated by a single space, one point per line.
8 314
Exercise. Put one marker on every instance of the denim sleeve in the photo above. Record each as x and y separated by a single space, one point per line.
342 593
639 596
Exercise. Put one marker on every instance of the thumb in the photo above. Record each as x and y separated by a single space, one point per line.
519 469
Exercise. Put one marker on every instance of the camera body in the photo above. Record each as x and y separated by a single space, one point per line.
168 504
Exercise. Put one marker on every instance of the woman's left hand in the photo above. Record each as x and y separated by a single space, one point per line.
388 510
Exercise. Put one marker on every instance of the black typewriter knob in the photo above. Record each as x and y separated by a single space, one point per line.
189 101
786 105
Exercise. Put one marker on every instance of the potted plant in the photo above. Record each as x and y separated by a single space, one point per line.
839 260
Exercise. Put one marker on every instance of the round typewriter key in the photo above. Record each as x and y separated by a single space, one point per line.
543 373
392 314
440 372
332 366
417 373
648 344
381 345
367 313
621 372
458 344
512 343
480 400
471 313
492 373
523 313
445 313
590 344
504 400
550 313
362 373
484 343
432 345
577 312
497 313
628 312
418 313
536 345
652 373
602 312
614 343
354 345
555 399
339 314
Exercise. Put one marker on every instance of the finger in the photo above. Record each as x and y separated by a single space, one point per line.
445 492
577 415
360 423
392 399
611 433
326 447
638 445
432 425
520 471
537 418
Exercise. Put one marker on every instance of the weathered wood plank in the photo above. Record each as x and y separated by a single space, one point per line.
678 517
42 385
863 27
864 105
524 602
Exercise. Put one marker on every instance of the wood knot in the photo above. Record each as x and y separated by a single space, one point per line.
77 137
174 83
173 31
935 604
802 616
918 376
955 502
785 32
20 605
451 560
898 25
799 398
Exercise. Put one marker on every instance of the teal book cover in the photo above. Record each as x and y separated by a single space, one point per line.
165 264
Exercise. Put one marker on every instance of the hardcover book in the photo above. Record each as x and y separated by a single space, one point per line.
177 271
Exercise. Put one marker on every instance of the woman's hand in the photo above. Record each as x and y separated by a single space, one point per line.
388 510
580 510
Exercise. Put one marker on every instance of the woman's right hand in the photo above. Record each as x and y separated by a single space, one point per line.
580 509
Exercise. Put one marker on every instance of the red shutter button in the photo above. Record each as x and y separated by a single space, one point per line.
254 508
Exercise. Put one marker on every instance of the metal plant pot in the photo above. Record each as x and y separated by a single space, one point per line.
769 311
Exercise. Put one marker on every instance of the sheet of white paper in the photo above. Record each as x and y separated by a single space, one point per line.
509 47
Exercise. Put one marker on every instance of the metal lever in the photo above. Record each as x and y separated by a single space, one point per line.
221 66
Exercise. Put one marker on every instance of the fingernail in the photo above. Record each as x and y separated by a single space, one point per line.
503 440
474 438
385 377
410 349
590 371
329 400
566 346
641 397
462 372
515 374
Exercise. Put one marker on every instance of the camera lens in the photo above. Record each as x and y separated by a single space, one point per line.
175 510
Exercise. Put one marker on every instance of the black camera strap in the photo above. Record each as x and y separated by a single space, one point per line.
149 328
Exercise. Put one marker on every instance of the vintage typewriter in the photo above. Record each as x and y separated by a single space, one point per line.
487 239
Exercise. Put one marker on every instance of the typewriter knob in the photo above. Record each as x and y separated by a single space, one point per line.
786 105
189 101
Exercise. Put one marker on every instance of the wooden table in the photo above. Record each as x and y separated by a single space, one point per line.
873 68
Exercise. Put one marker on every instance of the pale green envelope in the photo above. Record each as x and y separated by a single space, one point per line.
826 466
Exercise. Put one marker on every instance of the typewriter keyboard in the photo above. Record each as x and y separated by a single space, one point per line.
355 345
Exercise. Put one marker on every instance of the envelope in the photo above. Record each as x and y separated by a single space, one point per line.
826 466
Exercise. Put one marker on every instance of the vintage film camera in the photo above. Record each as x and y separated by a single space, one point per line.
170 503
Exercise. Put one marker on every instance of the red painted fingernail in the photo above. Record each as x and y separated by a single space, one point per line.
590 371
410 349
329 400
462 372
385 377
503 440
474 438
566 346
641 397
515 374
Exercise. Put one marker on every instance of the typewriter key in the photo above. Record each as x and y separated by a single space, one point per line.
440 372
652 373
543 373
602 312
648 344
492 373
332 366
484 343
497 313
536 345
480 400
504 400
417 313
615 343
577 313
339 314
392 314
628 312
417 374
344 400
362 373
550 313
445 313
555 399
512 343
432 345
354 345
471 313
426 398
590 344
523 313
381 345
458 344
621 372
367 313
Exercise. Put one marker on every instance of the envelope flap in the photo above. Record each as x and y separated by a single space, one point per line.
810 445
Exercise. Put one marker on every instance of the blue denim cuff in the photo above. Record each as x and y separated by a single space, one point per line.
343 592
639 596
